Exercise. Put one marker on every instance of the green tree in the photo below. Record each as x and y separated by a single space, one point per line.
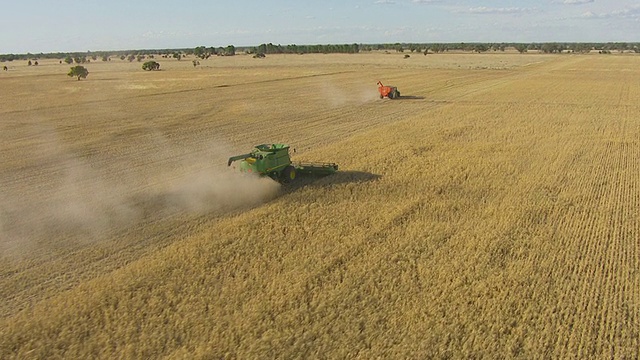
550 48
479 48
522 48
151 65
202 52
68 59
437 48
78 71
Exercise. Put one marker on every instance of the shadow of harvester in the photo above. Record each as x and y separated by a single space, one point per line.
340 177
409 97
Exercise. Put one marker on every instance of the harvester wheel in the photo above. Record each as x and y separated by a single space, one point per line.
288 174
381 96
397 94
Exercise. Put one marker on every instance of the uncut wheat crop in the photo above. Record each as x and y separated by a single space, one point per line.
493 211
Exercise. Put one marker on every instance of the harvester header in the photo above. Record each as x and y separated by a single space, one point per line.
273 160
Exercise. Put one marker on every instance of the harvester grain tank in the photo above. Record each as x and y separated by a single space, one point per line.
390 92
273 160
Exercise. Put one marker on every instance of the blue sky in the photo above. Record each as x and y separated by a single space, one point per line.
90 25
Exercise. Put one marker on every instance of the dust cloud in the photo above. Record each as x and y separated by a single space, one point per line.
336 94
69 199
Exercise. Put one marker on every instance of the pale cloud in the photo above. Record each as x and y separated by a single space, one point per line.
501 10
628 13
384 2
577 2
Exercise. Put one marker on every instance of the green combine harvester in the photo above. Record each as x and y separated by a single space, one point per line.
273 160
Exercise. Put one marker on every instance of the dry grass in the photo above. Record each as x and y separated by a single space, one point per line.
495 212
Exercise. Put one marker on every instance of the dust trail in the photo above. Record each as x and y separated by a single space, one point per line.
337 94
78 200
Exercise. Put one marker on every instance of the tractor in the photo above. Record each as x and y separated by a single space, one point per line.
390 92
273 160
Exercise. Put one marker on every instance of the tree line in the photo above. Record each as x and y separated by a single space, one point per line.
547 48
204 52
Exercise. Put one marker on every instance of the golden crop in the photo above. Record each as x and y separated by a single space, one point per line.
493 212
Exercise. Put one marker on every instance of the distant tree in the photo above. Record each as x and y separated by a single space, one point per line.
5 68
522 48
202 52
437 48
35 63
140 57
259 56
94 57
406 56
78 71
122 57
151 65
479 48
68 59
177 55
230 50
105 58
550 48
29 63
131 57
195 63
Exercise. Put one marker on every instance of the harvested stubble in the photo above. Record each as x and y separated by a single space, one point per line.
493 213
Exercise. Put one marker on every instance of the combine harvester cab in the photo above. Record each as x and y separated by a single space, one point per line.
390 92
273 160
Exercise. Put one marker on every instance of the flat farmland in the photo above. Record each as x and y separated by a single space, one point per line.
491 212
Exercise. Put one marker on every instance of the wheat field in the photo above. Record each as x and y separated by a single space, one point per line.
491 212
